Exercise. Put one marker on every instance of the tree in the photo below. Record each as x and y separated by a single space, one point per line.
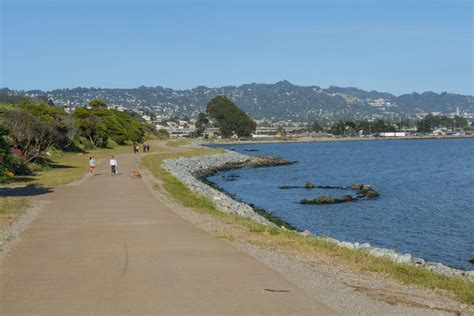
201 123
90 127
97 104
379 126
115 130
30 135
5 155
57 119
426 124
365 127
229 118
343 128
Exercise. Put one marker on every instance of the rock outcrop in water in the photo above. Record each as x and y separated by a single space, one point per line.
346 198
365 191
309 185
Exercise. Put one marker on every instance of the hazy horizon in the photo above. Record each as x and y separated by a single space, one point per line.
394 46
236 85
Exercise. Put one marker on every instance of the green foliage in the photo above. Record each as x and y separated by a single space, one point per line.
201 123
31 136
13 99
34 128
55 118
97 104
431 122
229 118
90 127
350 128
5 156
343 128
98 125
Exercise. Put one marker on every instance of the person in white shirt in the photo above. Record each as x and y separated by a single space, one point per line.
92 165
113 165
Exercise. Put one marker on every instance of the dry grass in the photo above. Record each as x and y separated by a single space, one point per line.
292 242
10 208
178 142
63 168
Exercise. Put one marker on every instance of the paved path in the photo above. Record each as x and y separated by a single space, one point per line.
108 247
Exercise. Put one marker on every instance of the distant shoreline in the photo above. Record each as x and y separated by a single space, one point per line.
326 139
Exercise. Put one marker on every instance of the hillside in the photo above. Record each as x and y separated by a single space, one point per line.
281 100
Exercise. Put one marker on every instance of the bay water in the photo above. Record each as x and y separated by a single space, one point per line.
426 203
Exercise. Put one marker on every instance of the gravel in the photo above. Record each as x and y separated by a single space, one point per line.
12 233
186 170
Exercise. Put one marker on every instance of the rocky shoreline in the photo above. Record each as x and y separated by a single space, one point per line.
191 170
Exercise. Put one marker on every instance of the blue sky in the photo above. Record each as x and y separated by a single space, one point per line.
395 46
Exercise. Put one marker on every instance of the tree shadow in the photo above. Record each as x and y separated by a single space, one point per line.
27 190
59 166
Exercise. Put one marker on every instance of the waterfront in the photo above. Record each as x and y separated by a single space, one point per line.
426 186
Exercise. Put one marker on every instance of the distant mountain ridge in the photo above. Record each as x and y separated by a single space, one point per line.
279 101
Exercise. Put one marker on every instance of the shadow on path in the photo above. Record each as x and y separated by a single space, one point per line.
27 190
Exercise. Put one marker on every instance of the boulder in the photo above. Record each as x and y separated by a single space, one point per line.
306 233
308 185
418 261
346 244
325 199
469 275
405 258
366 188
365 247
346 198
371 194
356 186
471 260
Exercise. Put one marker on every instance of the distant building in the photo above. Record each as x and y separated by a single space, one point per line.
393 134
212 133
182 132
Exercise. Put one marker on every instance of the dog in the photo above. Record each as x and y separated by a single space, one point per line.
135 174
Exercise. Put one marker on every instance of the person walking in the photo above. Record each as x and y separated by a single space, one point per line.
135 148
113 165
91 165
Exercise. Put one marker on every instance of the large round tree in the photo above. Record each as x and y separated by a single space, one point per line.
230 118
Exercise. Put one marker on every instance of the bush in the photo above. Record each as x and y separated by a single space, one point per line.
31 136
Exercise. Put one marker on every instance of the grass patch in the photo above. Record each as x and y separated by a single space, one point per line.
178 142
293 242
65 167
10 208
